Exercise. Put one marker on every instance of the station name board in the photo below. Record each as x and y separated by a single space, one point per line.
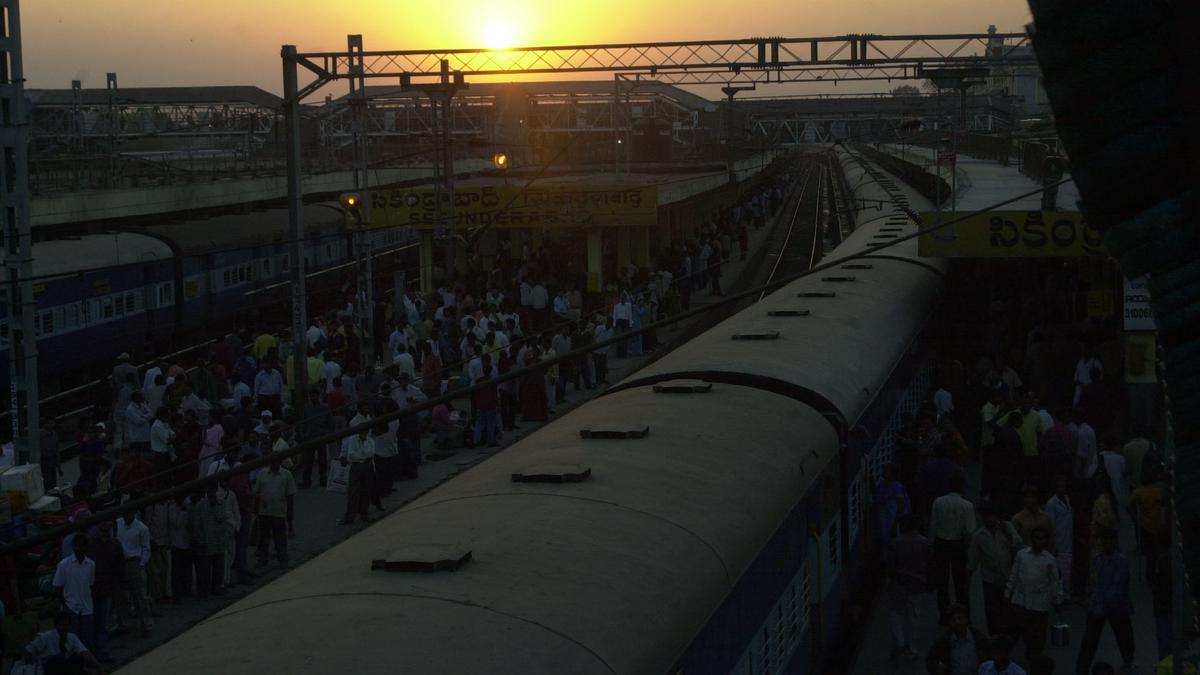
511 206
1011 234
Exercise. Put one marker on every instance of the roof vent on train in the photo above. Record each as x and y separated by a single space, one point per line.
839 279
857 266
757 335
789 312
816 294
683 387
632 430
553 473
422 558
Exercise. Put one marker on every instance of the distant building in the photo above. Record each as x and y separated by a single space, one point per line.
1023 83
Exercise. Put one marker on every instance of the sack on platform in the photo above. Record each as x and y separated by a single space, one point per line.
339 477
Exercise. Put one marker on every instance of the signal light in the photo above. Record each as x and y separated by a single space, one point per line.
500 160
350 200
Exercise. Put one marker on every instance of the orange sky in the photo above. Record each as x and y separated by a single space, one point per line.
164 42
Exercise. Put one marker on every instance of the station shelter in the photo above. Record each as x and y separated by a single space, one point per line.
603 222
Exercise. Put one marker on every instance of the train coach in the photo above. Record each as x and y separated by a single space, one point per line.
706 515
167 286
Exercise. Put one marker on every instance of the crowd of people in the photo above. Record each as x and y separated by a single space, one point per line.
171 423
1041 528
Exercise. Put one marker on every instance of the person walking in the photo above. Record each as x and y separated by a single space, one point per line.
991 554
1110 603
1033 588
1058 509
951 524
179 523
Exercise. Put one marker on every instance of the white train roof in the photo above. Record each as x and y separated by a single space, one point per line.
67 256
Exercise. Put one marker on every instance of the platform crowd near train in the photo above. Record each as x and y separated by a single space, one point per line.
174 422
1042 533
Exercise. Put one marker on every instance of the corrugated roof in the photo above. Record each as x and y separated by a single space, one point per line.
159 96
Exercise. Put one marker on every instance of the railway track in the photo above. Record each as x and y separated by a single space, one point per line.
800 246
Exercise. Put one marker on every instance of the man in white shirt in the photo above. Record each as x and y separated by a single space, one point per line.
332 370
951 524
138 417
134 537
162 441
73 579
561 306
357 452
268 388
151 375
404 361
603 331
989 415
1034 586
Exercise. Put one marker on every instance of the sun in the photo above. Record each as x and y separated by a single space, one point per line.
497 34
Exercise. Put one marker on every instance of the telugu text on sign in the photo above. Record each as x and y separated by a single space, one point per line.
551 206
1011 234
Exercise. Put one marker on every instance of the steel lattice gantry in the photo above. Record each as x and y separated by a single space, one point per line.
765 59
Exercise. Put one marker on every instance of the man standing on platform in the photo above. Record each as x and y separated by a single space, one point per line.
358 452
951 524
1033 588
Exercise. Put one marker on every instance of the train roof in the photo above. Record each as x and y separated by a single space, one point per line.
66 256
616 574
242 229
839 356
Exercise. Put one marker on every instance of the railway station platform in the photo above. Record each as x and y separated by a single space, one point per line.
632 214
318 512
984 182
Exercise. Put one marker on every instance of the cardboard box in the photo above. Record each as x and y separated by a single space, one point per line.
26 478
46 504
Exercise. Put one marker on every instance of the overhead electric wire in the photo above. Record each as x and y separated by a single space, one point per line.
134 505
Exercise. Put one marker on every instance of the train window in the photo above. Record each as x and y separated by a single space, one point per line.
285 262
130 303
46 325
266 267
226 280
329 250
106 305
72 315
4 334
166 294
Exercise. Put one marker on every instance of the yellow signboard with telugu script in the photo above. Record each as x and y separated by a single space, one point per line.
1011 234
514 206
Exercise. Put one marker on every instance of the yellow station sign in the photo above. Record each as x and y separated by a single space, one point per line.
1011 234
511 206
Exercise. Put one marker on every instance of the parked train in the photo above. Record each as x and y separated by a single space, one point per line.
719 527
153 290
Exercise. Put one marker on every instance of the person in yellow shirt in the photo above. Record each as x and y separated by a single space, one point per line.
264 343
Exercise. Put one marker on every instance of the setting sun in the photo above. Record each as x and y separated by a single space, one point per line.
498 34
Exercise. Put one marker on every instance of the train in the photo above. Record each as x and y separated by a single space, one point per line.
155 289
708 514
